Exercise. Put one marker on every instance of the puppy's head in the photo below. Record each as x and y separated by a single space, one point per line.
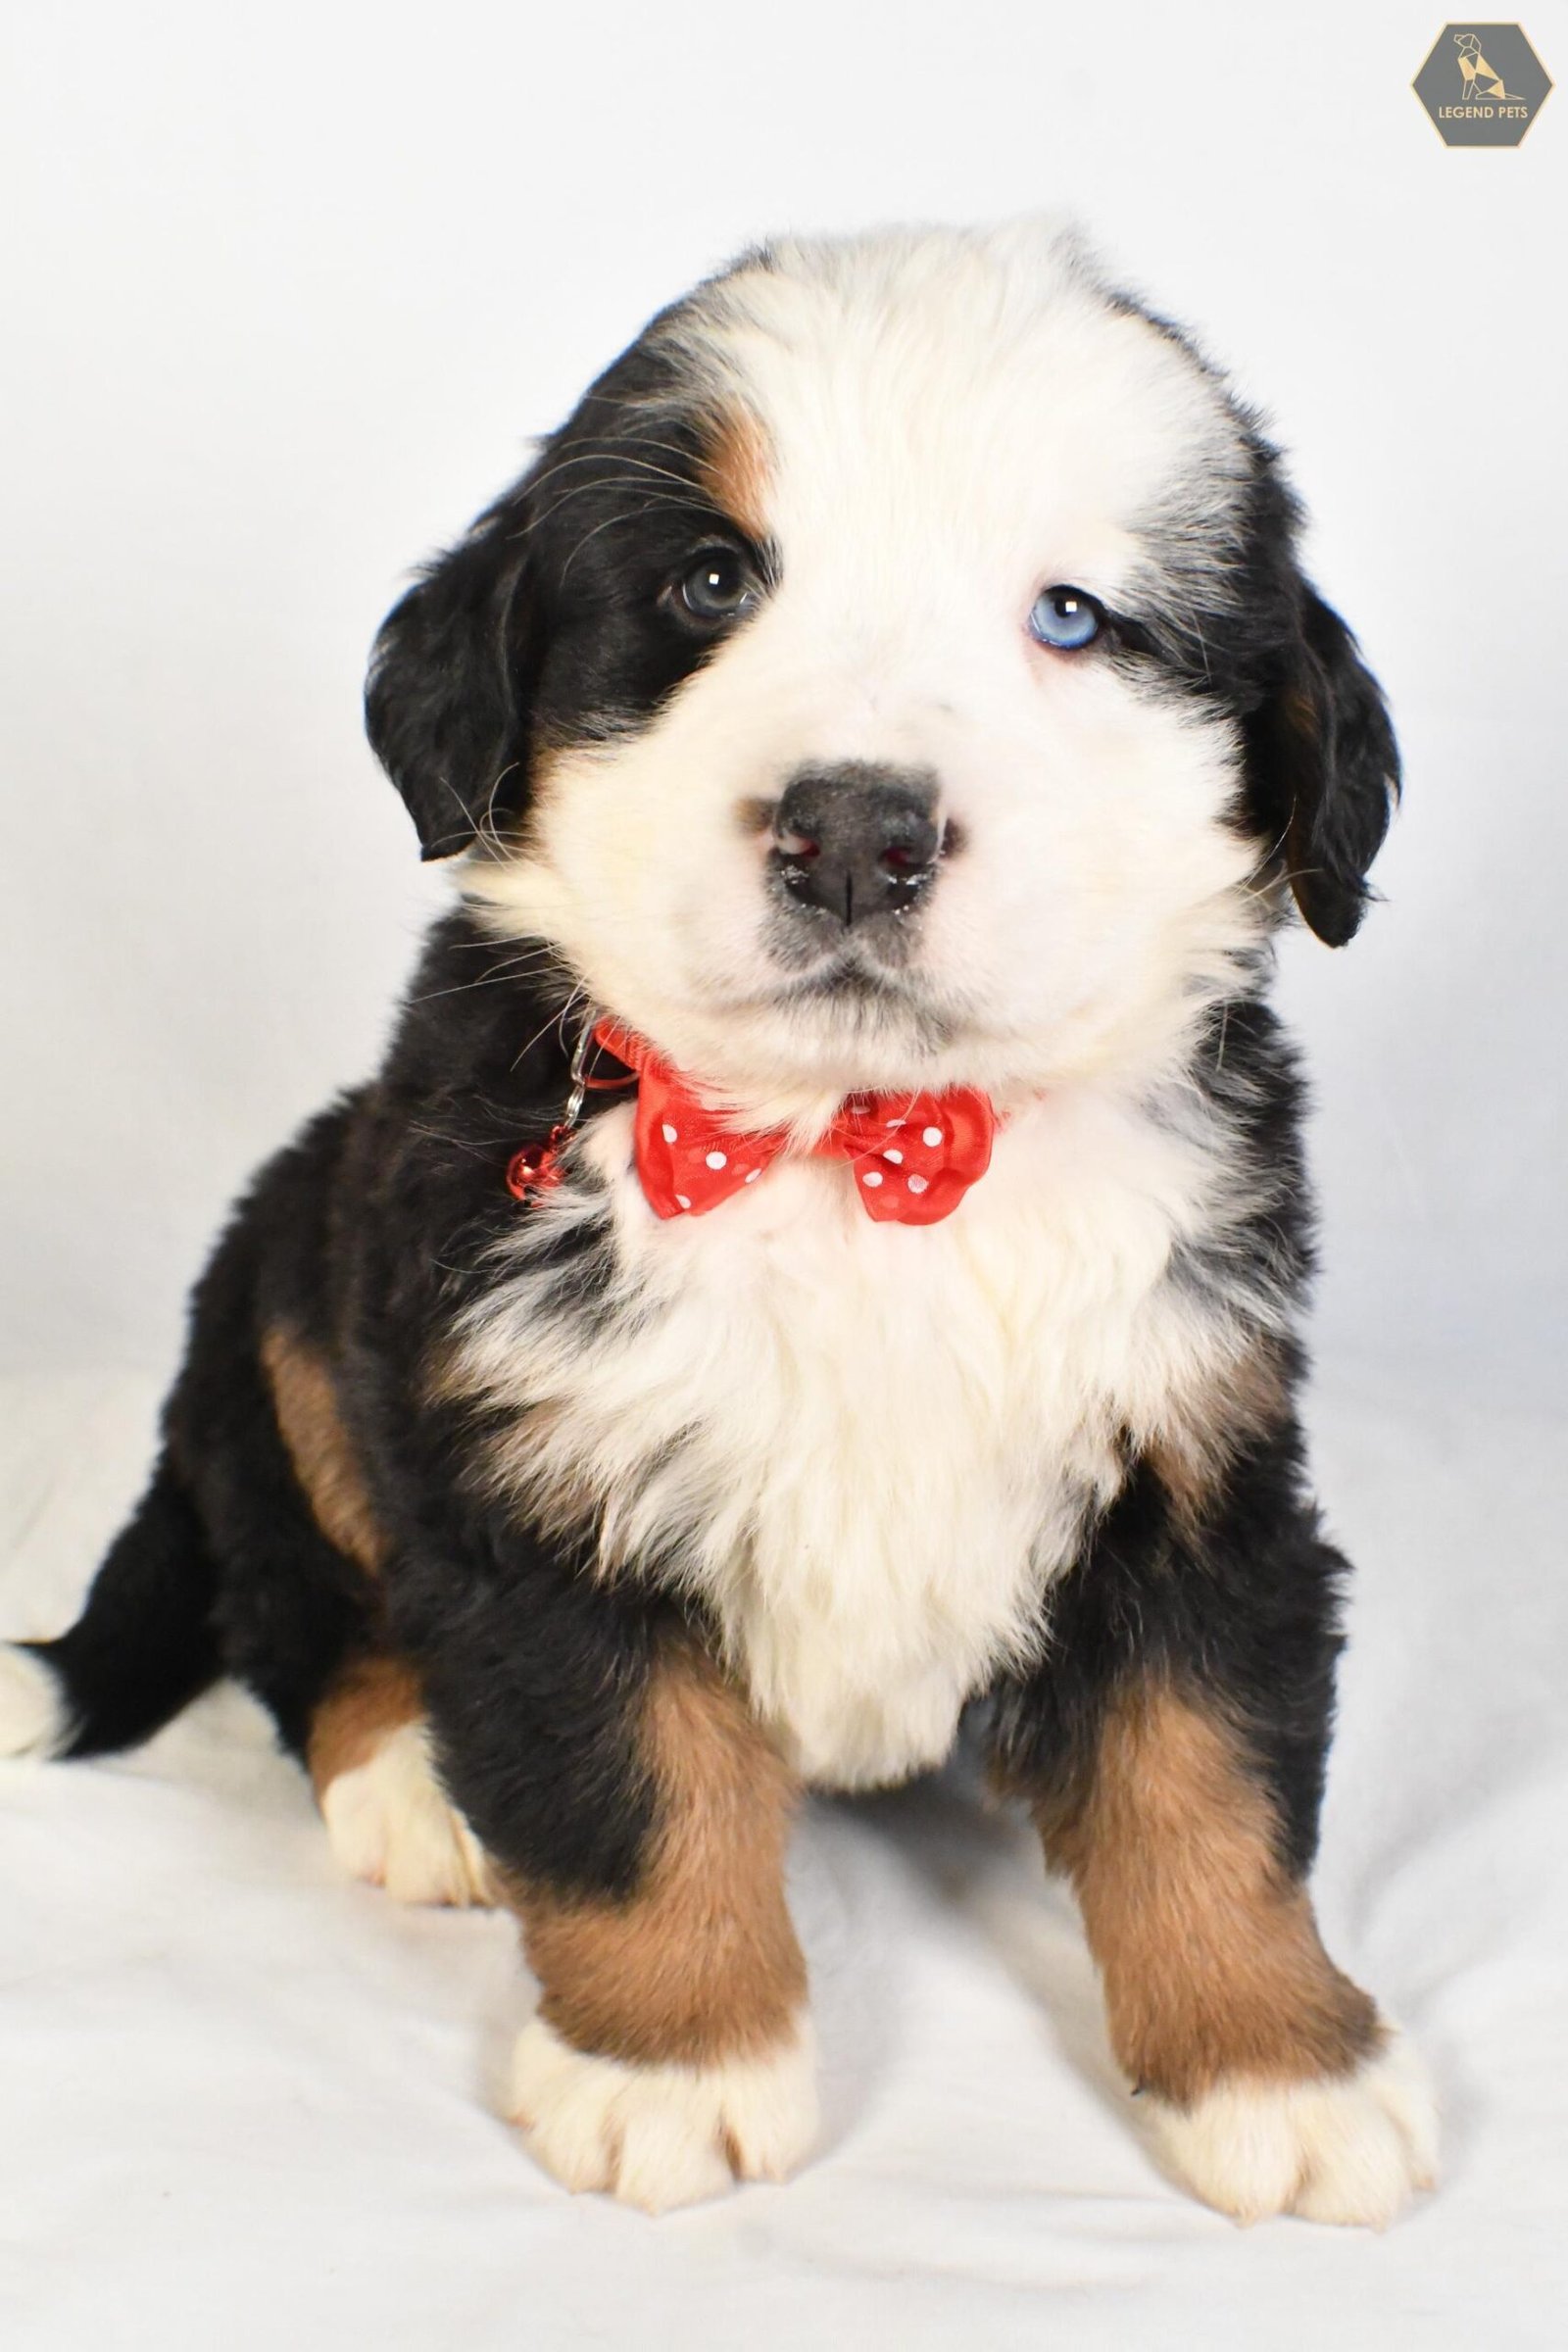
896 671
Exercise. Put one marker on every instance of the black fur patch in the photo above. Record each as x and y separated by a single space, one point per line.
1322 764
555 621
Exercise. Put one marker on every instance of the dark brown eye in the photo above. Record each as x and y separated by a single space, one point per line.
720 586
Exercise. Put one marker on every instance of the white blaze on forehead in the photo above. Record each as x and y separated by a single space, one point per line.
943 397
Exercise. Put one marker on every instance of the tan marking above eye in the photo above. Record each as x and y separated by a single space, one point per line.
736 470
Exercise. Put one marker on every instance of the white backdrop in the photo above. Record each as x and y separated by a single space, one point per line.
284 293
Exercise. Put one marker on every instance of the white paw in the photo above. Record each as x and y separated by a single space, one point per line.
663 2135
1353 2150
32 1718
389 1821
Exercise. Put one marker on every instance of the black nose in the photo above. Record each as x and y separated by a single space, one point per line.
856 841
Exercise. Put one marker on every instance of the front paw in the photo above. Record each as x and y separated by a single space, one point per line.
663 2135
1352 2149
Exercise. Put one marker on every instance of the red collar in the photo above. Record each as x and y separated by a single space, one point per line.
914 1156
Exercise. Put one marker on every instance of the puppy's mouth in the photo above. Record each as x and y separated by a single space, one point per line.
850 976
817 951
851 991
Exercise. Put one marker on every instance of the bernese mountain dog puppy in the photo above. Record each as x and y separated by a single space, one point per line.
825 1253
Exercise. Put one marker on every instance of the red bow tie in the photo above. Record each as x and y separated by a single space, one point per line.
915 1157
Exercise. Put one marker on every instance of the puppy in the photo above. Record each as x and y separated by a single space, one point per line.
826 1249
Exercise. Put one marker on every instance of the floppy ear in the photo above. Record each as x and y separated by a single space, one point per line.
445 697
1325 770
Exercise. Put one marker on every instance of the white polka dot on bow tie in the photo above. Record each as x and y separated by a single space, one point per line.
897 1157
681 1200
752 1174
718 1160
931 1136
916 1184
872 1176
896 1122
670 1134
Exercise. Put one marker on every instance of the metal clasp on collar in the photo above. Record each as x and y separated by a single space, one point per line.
536 1169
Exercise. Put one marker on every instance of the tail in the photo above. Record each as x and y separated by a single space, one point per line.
144 1646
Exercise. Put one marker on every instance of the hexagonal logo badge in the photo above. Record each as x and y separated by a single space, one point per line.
1483 85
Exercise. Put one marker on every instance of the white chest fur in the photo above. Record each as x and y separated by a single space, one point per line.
869 1448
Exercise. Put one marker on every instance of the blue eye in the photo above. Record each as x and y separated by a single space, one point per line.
1066 618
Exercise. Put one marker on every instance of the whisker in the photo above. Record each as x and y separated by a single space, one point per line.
608 523
594 452
578 994
517 968
649 495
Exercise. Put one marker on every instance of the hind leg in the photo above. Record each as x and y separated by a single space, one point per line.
387 1816
304 1618
304 1629
350 1707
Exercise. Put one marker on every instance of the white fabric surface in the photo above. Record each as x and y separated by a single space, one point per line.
245 2103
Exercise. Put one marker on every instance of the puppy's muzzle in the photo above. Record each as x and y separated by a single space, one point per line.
856 841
